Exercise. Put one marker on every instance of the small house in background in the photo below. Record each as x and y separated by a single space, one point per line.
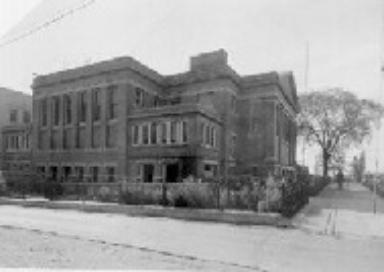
119 120
16 127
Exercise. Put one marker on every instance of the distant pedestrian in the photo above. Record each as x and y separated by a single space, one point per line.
340 179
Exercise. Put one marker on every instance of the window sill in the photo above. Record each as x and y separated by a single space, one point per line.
112 121
160 145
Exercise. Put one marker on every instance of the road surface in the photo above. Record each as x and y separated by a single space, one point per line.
336 231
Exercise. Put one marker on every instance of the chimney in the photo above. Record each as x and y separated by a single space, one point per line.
209 60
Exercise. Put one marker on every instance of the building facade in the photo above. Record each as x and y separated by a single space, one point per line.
119 120
15 127
16 150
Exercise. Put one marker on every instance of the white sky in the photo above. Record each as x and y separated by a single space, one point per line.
12 11
259 35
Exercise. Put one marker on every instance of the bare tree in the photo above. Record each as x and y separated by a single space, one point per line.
334 119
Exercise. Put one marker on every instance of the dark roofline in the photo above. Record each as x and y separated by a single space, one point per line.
220 70
106 66
259 79
4 89
271 78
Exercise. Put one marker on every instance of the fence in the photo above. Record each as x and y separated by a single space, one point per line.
244 192
237 192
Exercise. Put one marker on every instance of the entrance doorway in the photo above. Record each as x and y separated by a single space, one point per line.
53 173
172 173
148 170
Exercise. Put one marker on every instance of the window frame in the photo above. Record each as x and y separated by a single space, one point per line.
67 109
139 97
82 106
112 105
96 104
43 112
56 111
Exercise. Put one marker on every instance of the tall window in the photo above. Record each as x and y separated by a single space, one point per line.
79 173
112 102
145 134
135 135
184 136
67 109
153 133
65 140
96 104
173 132
212 137
156 101
233 145
43 112
82 100
95 174
56 110
53 142
26 117
233 103
111 139
164 133
16 142
110 174
66 173
207 135
13 116
27 141
139 97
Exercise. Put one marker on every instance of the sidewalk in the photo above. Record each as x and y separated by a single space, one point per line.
346 212
212 215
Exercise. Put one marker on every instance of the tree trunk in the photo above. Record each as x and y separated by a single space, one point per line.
325 163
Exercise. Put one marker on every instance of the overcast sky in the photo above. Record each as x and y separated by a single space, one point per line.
344 37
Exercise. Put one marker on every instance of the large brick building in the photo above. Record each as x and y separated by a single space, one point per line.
119 120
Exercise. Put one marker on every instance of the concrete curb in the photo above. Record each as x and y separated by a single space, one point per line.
210 215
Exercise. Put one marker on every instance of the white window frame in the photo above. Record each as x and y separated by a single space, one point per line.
150 133
159 133
168 125
139 135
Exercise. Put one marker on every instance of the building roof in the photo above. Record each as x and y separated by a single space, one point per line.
284 80
203 67
121 63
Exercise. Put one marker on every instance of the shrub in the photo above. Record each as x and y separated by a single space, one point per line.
193 195
181 202
139 196
53 189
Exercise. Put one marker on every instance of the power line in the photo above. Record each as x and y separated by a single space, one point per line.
46 24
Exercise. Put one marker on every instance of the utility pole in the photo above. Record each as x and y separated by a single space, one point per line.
375 180
381 73
306 76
